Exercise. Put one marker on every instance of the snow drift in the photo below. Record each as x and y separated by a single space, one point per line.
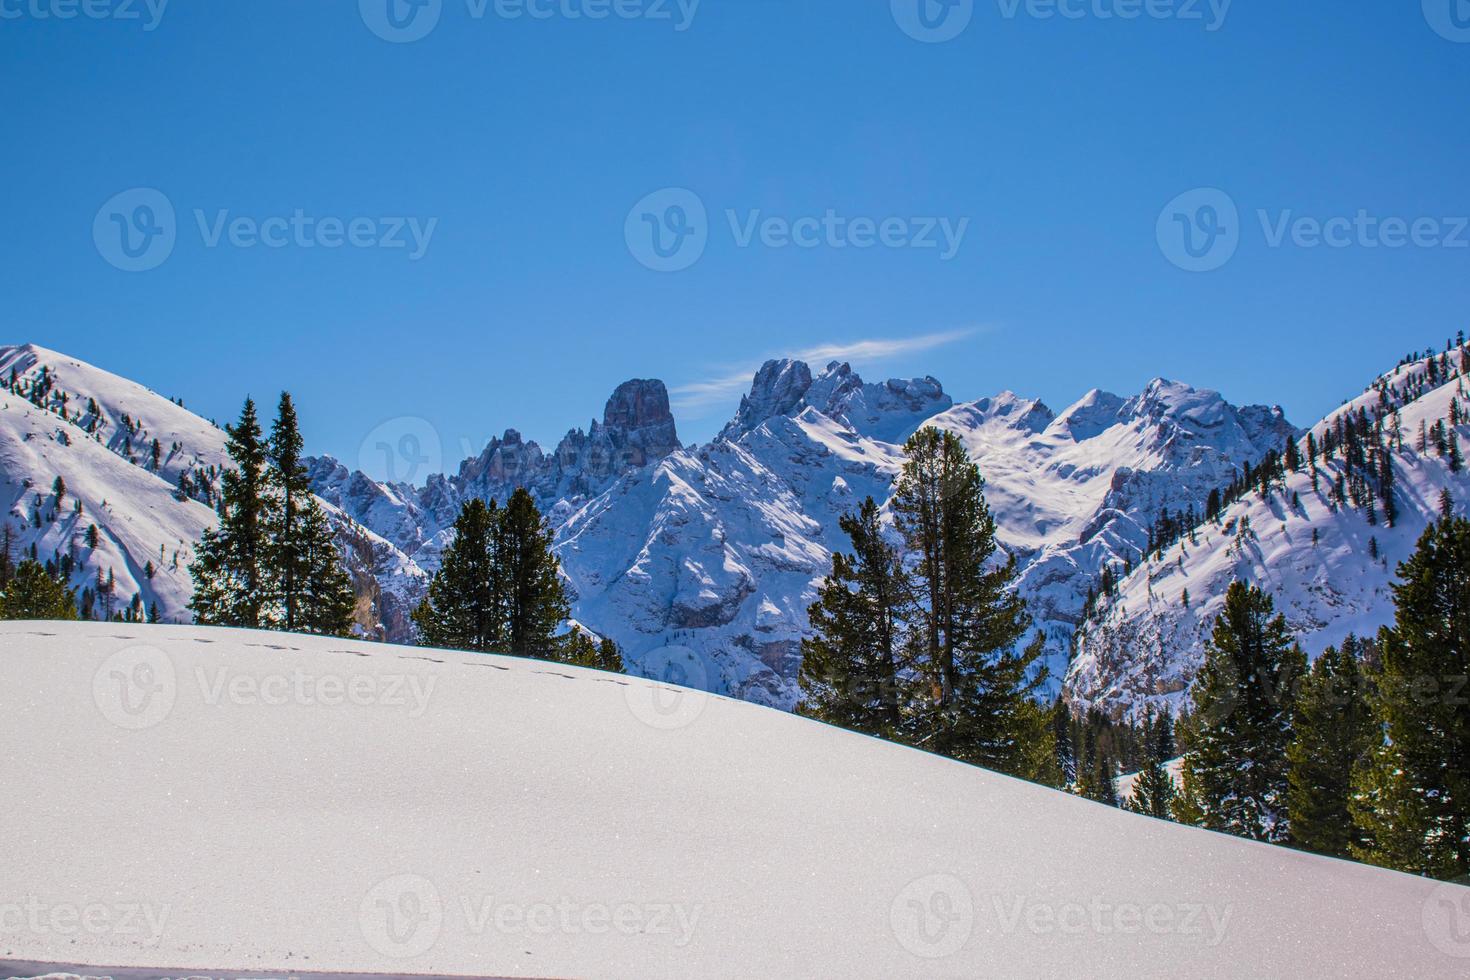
207 798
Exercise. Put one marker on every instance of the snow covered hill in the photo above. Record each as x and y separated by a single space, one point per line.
142 470
258 802
1328 566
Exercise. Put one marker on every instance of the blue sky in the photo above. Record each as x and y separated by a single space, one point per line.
529 153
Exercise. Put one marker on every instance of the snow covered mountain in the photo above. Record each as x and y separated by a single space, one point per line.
224 802
700 561
703 560
141 469
1328 564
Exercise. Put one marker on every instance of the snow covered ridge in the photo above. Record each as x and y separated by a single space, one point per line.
1327 566
702 556
256 803
142 469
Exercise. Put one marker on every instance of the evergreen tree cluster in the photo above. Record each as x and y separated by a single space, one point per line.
272 563
1366 754
499 590
915 632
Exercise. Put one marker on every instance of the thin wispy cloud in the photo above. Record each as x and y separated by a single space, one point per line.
694 397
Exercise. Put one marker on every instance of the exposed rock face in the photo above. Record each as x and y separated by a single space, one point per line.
778 389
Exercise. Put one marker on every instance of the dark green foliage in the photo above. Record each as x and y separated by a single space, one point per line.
229 566
1412 796
31 592
272 563
498 588
970 695
1235 777
465 606
849 667
1334 733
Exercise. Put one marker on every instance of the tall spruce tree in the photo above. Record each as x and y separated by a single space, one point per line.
465 607
292 490
327 604
849 666
1334 732
231 562
973 699
1235 777
535 602
1412 797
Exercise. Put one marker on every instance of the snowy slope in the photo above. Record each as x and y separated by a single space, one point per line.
105 459
1146 648
260 802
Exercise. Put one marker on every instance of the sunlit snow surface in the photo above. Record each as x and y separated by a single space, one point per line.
191 798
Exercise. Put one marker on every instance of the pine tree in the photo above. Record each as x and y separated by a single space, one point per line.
602 655
1153 790
31 592
327 604
465 607
291 490
1235 777
1334 730
535 602
849 666
973 698
1412 797
230 566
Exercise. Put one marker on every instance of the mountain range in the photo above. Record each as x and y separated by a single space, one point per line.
700 560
